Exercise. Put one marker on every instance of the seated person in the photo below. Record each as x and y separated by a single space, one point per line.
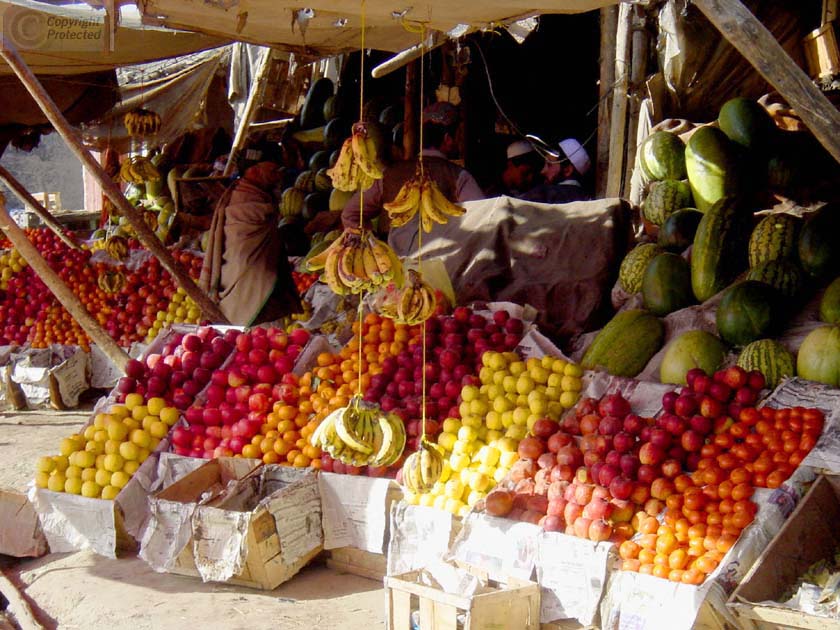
563 172
522 169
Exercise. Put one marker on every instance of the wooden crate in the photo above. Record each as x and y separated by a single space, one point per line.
358 562
515 606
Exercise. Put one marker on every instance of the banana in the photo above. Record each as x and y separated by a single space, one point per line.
317 262
342 428
341 174
331 273
405 204
371 268
445 205
364 157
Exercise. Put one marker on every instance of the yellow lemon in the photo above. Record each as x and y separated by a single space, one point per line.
516 367
73 472
88 474
56 482
61 462
86 458
121 411
45 465
169 415
508 458
573 370
493 420
451 425
500 474
89 432
138 412
119 479
147 422
129 451
479 407
474 497
103 477
446 441
132 401
101 435
469 393
42 479
130 424
493 435
131 467
459 461
571 384
524 384
110 492
91 489
73 485
140 438
114 462
555 380
143 455
453 506
516 432
95 448
155 405
117 430
440 502
158 429
568 399
539 374
112 446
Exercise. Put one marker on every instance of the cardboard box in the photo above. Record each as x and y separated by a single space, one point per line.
20 531
810 534
257 531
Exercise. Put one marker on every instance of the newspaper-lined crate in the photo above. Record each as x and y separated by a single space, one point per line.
496 606
809 535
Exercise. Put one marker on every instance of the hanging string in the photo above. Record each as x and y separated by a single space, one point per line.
422 31
361 189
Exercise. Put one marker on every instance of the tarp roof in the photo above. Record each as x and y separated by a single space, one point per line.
134 42
328 27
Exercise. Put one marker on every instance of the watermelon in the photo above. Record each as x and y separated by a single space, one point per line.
746 123
664 198
635 263
625 345
830 303
319 160
312 112
306 181
819 356
719 252
770 358
711 163
334 158
678 231
336 132
774 237
783 275
329 109
323 182
291 202
819 242
782 171
666 286
314 203
662 156
747 311
692 349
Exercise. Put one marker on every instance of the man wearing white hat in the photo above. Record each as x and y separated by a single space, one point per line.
522 168
563 171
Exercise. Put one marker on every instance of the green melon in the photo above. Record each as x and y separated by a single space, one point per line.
664 198
666 286
770 358
678 231
819 242
774 237
819 356
830 303
635 263
662 156
783 275
692 349
747 123
719 252
711 163
747 311
625 345
306 181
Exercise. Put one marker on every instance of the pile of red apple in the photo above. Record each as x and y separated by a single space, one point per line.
454 345
241 394
674 492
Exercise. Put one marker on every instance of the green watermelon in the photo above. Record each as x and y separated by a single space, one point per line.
783 275
625 345
819 356
774 237
664 198
334 158
323 182
678 231
306 181
329 109
692 349
319 160
336 132
819 242
666 286
312 112
314 203
662 156
770 358
830 303
747 123
747 311
711 163
635 263
782 171
291 202
719 252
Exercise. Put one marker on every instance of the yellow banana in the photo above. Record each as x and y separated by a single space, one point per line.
363 158
445 205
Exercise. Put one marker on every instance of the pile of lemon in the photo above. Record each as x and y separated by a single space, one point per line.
99 462
11 262
180 310
481 447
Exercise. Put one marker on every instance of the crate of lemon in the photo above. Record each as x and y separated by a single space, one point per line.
480 448
84 495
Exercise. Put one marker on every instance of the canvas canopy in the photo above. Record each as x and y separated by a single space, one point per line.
329 27
134 42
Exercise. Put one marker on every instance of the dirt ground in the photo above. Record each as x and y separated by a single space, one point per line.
83 590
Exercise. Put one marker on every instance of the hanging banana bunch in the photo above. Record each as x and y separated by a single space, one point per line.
358 165
422 469
138 170
141 123
117 247
414 303
361 434
421 194
111 281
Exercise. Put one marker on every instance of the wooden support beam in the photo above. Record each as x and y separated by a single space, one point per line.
60 290
752 39
638 70
435 39
618 117
28 200
609 25
251 106
209 309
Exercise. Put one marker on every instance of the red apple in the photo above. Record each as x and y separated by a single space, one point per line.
621 487
650 454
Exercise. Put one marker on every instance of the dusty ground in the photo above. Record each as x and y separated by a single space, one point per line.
83 590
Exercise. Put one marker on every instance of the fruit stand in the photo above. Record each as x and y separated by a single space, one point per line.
661 472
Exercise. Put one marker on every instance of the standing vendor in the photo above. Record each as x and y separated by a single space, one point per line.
245 266
564 171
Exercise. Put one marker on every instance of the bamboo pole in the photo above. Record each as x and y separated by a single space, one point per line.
210 310
251 106
24 195
609 25
618 119
60 290
758 46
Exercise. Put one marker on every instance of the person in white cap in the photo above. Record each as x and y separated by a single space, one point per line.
522 168
564 171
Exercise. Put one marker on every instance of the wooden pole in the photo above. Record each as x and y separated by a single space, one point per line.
410 113
618 117
49 220
60 290
609 25
210 310
251 106
638 68
752 39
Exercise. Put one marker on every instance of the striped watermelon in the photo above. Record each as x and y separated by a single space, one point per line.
306 181
774 237
634 265
664 198
662 156
719 252
783 275
291 202
770 358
